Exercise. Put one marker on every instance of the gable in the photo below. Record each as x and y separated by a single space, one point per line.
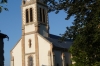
16 43
44 38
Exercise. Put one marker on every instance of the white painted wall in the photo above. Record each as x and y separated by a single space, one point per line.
44 47
27 49
17 54
29 28
11 63
43 30
58 57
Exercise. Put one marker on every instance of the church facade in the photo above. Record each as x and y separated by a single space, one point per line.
37 47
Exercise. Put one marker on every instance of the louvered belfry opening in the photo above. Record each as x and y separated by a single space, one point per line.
31 15
27 17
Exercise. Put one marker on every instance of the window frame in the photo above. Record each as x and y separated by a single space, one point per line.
40 14
30 60
31 14
54 59
30 43
27 15
43 15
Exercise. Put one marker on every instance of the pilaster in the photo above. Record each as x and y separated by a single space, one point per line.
36 46
23 46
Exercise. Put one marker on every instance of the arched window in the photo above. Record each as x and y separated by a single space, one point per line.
30 61
27 20
57 64
54 59
49 58
67 64
63 59
30 43
40 14
12 61
23 1
31 15
44 15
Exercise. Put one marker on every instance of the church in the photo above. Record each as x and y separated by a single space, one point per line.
37 47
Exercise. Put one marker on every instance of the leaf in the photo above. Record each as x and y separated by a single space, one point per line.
4 1
0 9
6 9
57 12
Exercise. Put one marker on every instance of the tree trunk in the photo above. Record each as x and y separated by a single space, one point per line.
1 52
2 36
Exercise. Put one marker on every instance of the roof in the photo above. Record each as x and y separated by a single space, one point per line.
56 43
57 37
54 36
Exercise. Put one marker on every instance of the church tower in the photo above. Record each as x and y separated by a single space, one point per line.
34 15
34 21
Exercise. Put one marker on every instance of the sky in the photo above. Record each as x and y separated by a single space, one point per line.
11 21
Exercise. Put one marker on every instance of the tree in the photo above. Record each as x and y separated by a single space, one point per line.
85 31
2 2
2 36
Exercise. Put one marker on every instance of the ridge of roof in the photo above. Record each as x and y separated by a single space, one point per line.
57 37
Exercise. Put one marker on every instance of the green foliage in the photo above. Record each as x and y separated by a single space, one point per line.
2 2
97 64
85 31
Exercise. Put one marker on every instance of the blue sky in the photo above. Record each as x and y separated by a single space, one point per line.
10 24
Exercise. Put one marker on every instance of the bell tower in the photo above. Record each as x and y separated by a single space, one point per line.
34 21
35 17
